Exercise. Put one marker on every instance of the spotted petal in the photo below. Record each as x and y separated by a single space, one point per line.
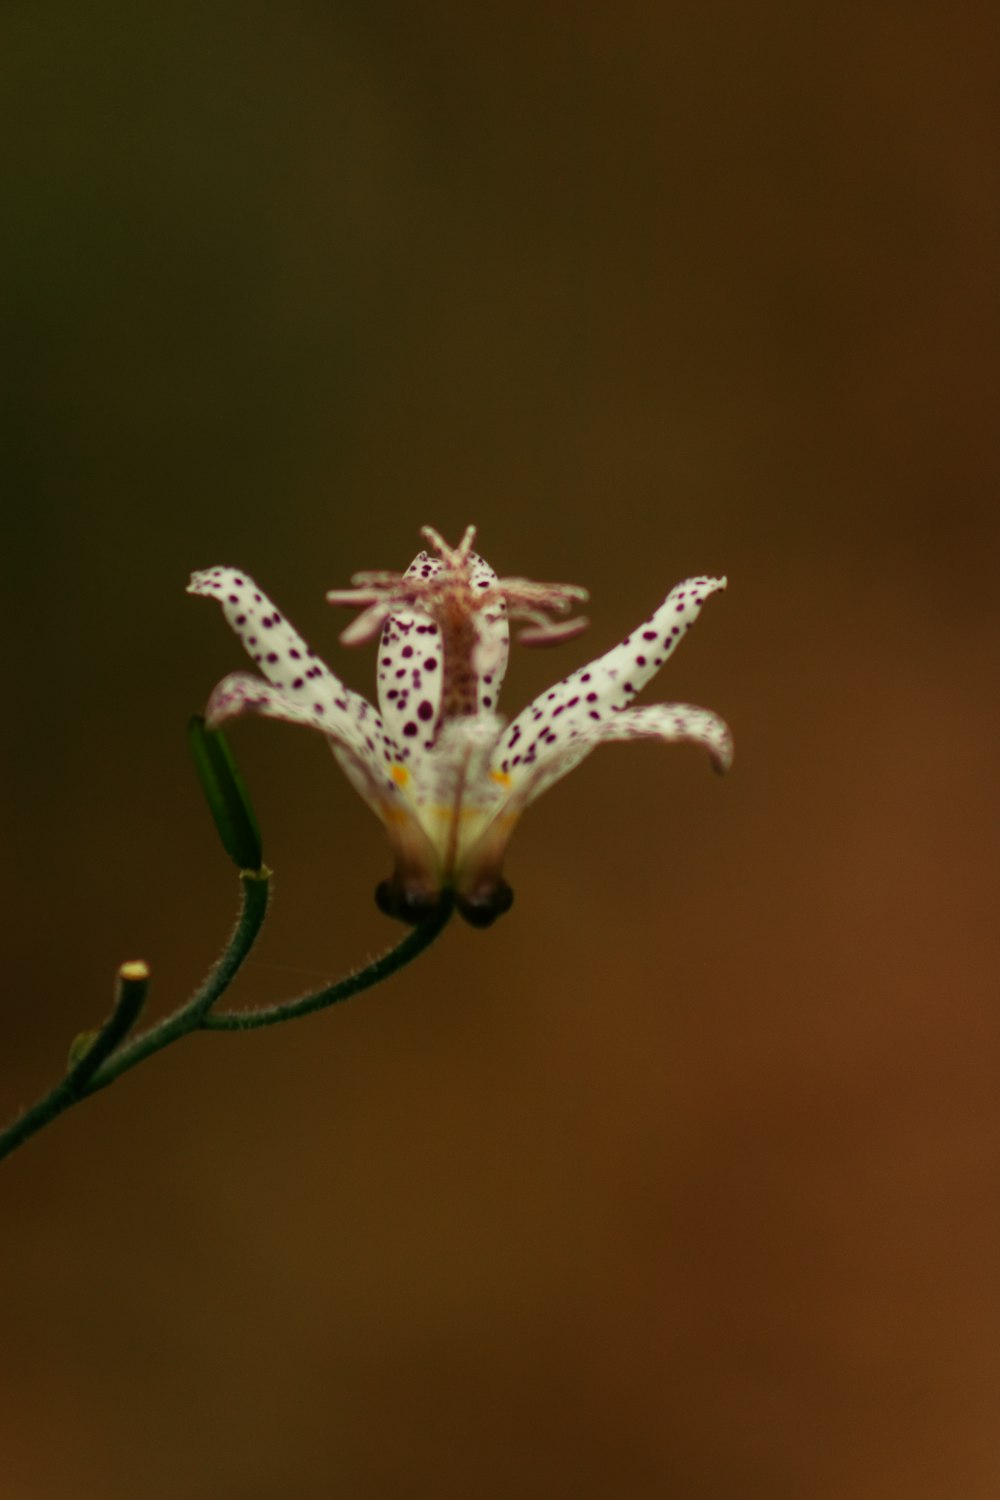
493 647
297 686
411 668
447 781
412 660
670 722
563 725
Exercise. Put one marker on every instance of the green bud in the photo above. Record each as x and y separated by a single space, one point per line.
226 794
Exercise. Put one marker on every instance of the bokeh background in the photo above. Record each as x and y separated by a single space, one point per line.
682 1180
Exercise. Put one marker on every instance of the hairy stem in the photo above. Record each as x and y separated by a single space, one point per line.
380 968
105 1059
99 1059
192 1015
133 982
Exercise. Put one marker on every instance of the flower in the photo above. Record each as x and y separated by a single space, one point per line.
444 773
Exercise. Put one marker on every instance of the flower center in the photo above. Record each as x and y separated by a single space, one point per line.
470 608
453 608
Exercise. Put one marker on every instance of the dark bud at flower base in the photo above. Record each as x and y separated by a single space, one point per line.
226 794
409 906
415 906
482 909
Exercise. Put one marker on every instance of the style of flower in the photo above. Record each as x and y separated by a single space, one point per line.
446 776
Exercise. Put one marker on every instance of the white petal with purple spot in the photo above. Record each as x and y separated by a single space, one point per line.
447 780
411 669
555 721
677 723
299 687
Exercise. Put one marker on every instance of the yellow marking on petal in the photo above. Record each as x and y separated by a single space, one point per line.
400 775
500 777
447 812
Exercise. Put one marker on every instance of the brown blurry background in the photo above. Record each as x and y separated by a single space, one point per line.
683 1180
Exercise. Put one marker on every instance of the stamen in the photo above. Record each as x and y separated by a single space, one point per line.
552 632
367 626
460 595
454 557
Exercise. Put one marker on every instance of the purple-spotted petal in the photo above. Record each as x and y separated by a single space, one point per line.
489 656
446 780
299 687
269 639
412 657
481 864
363 752
601 690
370 765
673 723
410 669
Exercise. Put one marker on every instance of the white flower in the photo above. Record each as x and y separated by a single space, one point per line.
448 779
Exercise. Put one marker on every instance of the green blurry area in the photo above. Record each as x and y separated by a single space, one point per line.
681 1180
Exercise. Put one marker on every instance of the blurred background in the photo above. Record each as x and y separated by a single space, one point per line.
683 1180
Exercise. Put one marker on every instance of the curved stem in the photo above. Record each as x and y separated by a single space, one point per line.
105 1058
133 981
101 1063
380 968
192 1015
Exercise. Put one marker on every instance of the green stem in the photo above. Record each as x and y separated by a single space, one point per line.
194 1014
106 1058
133 982
101 1063
381 968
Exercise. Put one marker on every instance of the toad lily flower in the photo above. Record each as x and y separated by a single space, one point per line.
448 779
